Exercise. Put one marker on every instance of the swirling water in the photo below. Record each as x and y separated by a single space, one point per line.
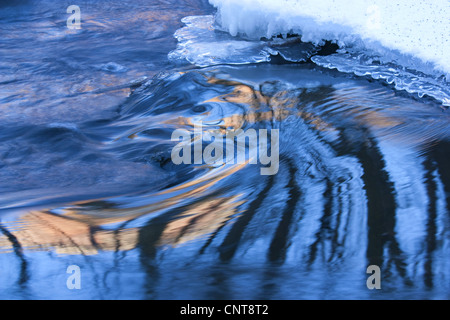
86 177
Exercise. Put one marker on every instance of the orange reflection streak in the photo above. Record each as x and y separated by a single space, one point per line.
80 232
200 220
44 232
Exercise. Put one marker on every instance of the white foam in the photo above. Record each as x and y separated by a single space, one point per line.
418 29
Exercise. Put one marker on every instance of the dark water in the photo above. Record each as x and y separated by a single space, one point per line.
86 177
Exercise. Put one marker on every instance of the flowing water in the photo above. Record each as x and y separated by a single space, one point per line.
86 177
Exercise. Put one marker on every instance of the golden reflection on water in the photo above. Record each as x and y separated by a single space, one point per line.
43 231
200 220
78 230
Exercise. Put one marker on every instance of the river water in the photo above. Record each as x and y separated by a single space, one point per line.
86 177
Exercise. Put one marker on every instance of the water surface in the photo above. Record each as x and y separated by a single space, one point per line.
86 177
